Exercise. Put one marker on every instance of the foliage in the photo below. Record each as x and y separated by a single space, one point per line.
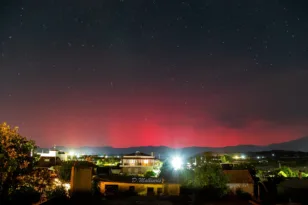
206 176
226 158
208 156
223 159
261 175
39 179
165 170
57 192
287 172
149 174
18 179
64 171
108 161
16 157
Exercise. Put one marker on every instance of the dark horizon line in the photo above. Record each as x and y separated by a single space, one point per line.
252 145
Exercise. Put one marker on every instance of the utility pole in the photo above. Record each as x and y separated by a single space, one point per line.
55 155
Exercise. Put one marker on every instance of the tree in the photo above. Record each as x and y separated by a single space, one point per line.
166 170
16 158
64 171
108 161
226 158
149 174
18 179
208 156
287 172
207 176
223 159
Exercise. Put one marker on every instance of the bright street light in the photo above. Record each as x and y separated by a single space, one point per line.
236 157
177 163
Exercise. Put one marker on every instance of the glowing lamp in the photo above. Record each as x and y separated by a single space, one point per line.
67 186
177 163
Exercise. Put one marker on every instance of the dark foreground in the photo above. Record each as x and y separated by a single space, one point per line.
88 199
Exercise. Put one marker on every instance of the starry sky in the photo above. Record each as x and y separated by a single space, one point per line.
155 72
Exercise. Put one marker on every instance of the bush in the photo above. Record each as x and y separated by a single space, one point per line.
207 176
149 174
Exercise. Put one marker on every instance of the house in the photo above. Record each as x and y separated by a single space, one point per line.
139 163
55 153
48 162
240 179
140 185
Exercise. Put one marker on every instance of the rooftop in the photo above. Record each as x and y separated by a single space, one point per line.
138 154
238 176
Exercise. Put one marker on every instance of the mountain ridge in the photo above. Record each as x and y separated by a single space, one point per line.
300 144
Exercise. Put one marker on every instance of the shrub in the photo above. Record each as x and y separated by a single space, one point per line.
149 174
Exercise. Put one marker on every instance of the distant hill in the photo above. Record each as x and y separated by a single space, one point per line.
163 151
300 144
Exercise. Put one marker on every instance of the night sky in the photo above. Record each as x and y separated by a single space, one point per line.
160 72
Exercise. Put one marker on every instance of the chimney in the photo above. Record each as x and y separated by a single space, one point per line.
152 154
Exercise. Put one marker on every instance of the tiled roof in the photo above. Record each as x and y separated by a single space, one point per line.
238 176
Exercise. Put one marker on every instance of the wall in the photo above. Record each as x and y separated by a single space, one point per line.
245 187
141 189
172 189
81 179
63 157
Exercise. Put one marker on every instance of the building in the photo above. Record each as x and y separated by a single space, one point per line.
139 163
48 162
240 179
139 185
54 153
81 179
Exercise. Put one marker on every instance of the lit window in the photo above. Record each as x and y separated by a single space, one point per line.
146 161
132 161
